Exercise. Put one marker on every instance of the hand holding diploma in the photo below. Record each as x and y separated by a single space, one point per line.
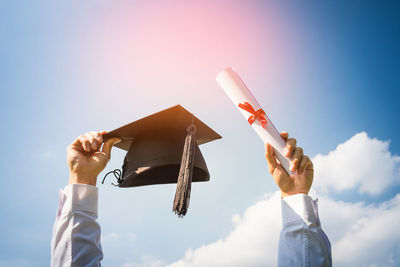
293 172
302 167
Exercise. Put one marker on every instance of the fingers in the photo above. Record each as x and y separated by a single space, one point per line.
88 142
292 151
95 140
108 145
297 156
284 135
298 161
83 142
270 156
290 147
305 164
290 144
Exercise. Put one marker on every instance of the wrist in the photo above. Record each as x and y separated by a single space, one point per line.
82 179
286 194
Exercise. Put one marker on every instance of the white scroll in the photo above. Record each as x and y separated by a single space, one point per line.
243 99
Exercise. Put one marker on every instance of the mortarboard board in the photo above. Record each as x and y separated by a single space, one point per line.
163 148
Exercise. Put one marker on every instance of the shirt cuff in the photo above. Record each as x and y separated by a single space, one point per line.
299 207
79 197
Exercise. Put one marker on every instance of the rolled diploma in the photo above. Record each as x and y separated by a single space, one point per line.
238 92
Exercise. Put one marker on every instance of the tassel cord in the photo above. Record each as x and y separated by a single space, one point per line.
117 174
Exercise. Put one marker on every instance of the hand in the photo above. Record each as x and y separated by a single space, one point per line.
85 160
298 183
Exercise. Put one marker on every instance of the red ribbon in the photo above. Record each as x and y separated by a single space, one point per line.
259 114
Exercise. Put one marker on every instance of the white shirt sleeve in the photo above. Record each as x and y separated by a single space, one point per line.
302 241
76 232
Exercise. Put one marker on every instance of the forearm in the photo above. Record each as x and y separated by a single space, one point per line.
76 233
302 241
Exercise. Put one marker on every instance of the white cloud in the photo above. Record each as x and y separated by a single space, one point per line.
361 234
253 242
361 163
236 219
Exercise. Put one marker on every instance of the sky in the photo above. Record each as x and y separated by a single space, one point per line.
328 72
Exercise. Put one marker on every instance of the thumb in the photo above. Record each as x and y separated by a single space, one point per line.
109 144
271 160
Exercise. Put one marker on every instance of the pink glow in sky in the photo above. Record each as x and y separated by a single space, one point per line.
168 53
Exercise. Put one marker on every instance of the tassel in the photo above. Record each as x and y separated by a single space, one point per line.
184 183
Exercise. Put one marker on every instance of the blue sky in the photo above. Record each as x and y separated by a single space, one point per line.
324 71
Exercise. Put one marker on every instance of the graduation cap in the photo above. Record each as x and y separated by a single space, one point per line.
163 148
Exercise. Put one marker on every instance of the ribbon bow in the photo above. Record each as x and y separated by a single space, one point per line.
259 114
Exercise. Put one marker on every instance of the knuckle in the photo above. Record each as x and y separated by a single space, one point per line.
300 150
305 161
291 143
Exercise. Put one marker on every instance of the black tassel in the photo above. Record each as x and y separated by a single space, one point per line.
184 183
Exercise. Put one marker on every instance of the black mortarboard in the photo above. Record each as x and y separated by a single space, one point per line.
163 148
